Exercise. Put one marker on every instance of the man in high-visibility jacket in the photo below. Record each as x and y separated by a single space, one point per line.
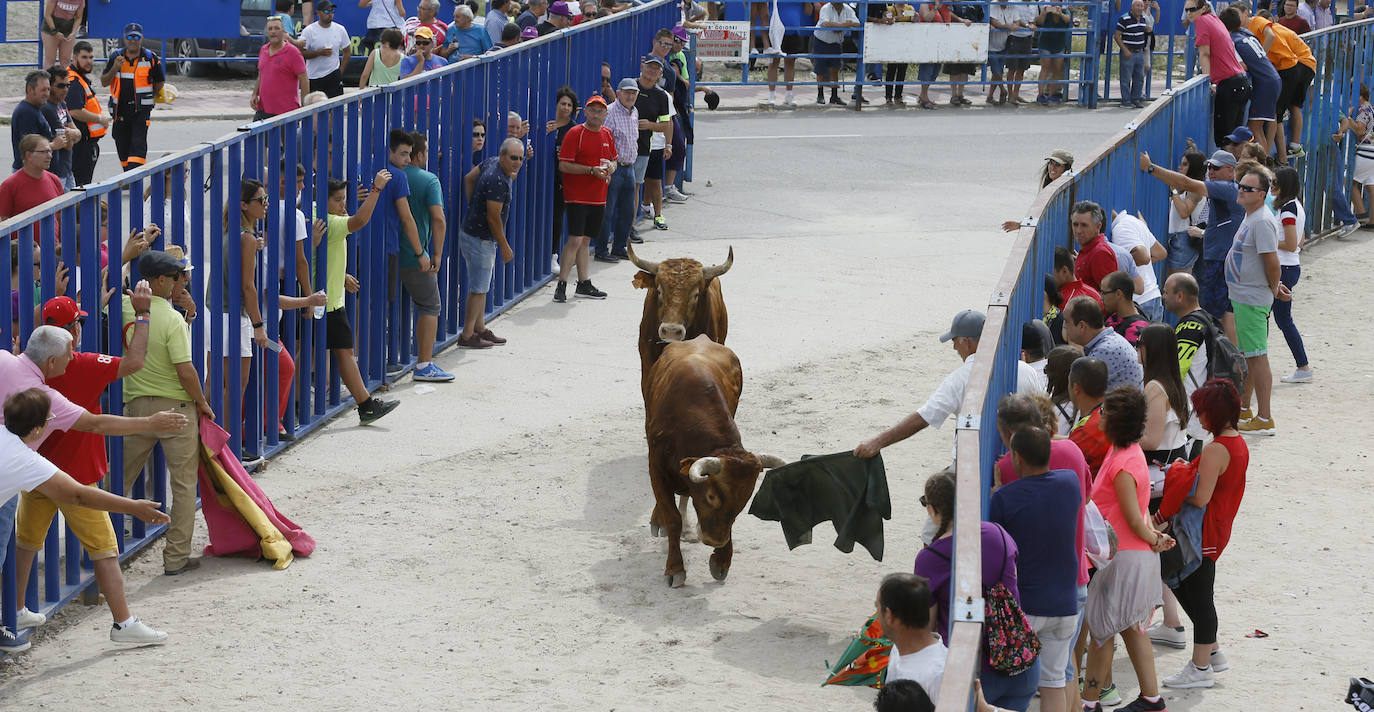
84 107
135 77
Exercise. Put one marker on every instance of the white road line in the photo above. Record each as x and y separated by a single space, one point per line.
758 138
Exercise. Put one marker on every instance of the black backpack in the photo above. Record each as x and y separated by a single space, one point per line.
1224 360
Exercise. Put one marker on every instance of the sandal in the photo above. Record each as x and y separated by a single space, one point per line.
925 104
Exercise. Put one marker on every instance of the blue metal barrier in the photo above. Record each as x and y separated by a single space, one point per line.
1344 54
345 138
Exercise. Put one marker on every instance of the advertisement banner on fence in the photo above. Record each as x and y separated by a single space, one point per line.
921 43
721 41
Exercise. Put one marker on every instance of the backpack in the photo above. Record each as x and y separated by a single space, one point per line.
1011 643
1224 360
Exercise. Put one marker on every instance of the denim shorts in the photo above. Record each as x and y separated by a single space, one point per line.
927 72
480 257
1052 52
1183 251
641 168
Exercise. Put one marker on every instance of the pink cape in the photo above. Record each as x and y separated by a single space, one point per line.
261 530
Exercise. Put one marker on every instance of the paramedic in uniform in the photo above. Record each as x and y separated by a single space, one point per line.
134 76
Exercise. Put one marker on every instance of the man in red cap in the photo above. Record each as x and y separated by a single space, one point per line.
586 159
81 454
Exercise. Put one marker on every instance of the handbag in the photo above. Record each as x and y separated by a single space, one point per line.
1099 540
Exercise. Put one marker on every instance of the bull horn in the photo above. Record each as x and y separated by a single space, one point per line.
714 271
703 469
647 266
771 461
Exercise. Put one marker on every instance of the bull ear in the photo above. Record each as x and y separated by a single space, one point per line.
643 280
686 464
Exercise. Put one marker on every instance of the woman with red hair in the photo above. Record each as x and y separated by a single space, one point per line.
1220 486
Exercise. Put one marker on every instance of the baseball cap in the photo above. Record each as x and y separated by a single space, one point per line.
628 84
680 32
1060 156
1241 135
596 99
529 33
156 263
967 323
653 59
323 5
424 32
560 8
133 28
180 256
1222 158
61 311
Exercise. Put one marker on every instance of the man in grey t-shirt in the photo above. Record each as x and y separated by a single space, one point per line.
1252 279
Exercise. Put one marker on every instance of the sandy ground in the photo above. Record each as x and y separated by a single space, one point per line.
486 546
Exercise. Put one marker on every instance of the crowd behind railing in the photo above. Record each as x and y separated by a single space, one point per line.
270 279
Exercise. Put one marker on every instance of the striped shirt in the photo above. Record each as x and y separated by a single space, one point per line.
624 124
1132 31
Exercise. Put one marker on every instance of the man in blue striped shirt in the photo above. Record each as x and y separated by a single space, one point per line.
1132 37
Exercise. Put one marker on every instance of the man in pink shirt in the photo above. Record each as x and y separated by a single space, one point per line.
1096 258
46 355
1216 55
282 80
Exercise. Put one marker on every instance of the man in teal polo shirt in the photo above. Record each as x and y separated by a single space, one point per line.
422 283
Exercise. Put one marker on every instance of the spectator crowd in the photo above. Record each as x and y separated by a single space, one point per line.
1127 460
615 166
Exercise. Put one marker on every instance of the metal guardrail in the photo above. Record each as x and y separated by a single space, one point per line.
1111 177
345 138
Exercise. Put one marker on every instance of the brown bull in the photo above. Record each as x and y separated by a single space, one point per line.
674 308
695 450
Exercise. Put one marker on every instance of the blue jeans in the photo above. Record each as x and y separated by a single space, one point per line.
1283 316
620 212
1133 76
1340 204
1153 309
1011 693
7 511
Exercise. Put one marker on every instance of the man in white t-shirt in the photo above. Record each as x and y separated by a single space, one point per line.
918 654
327 51
293 228
949 397
1132 234
24 470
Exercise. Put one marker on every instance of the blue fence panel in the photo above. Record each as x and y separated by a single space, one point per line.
194 196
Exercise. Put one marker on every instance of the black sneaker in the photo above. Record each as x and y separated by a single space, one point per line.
606 257
11 644
837 101
620 255
1140 704
1361 695
820 97
585 288
560 293
372 410
636 239
394 370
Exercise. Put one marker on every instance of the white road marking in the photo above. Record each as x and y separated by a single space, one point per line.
758 138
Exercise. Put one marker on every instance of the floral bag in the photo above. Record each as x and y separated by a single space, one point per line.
1012 645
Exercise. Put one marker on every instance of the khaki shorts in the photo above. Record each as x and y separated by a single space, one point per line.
91 526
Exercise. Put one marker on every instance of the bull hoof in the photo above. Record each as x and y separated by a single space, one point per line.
717 572
690 535
675 580
657 531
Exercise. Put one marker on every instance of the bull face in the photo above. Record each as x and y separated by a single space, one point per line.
720 488
679 284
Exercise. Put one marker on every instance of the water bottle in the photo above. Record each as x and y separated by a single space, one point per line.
319 312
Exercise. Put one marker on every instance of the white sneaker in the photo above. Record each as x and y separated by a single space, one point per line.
772 99
1190 677
137 633
26 618
790 100
1218 661
1302 375
1347 230
672 195
1161 634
